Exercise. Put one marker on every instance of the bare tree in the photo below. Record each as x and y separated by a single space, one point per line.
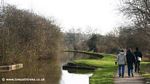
28 35
139 12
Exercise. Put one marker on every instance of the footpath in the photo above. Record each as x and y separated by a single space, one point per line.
137 79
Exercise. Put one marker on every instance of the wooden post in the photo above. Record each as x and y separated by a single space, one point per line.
6 68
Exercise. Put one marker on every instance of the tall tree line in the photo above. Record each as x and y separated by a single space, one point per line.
28 35
137 34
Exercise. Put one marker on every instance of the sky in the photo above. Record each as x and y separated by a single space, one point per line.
98 16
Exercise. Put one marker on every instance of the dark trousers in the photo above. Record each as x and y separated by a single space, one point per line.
137 66
130 69
121 69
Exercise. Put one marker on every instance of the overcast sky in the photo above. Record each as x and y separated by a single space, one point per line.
100 15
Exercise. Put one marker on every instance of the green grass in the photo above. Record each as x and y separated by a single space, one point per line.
105 69
145 69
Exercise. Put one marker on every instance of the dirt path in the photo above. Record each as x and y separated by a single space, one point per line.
137 79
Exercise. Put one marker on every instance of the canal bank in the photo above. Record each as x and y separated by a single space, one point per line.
105 69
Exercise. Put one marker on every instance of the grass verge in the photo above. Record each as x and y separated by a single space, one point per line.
145 69
105 69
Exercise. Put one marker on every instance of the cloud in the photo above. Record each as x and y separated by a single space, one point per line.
98 14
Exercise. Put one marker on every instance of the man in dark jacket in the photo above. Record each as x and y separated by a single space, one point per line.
138 57
130 61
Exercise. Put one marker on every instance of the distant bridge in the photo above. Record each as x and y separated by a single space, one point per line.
94 54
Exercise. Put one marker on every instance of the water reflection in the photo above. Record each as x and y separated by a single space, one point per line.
48 69
74 78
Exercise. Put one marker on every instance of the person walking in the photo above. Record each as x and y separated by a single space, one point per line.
138 57
130 61
121 60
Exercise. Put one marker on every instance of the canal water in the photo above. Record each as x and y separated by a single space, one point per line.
74 78
50 70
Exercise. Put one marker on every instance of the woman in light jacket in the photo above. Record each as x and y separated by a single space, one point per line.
121 60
